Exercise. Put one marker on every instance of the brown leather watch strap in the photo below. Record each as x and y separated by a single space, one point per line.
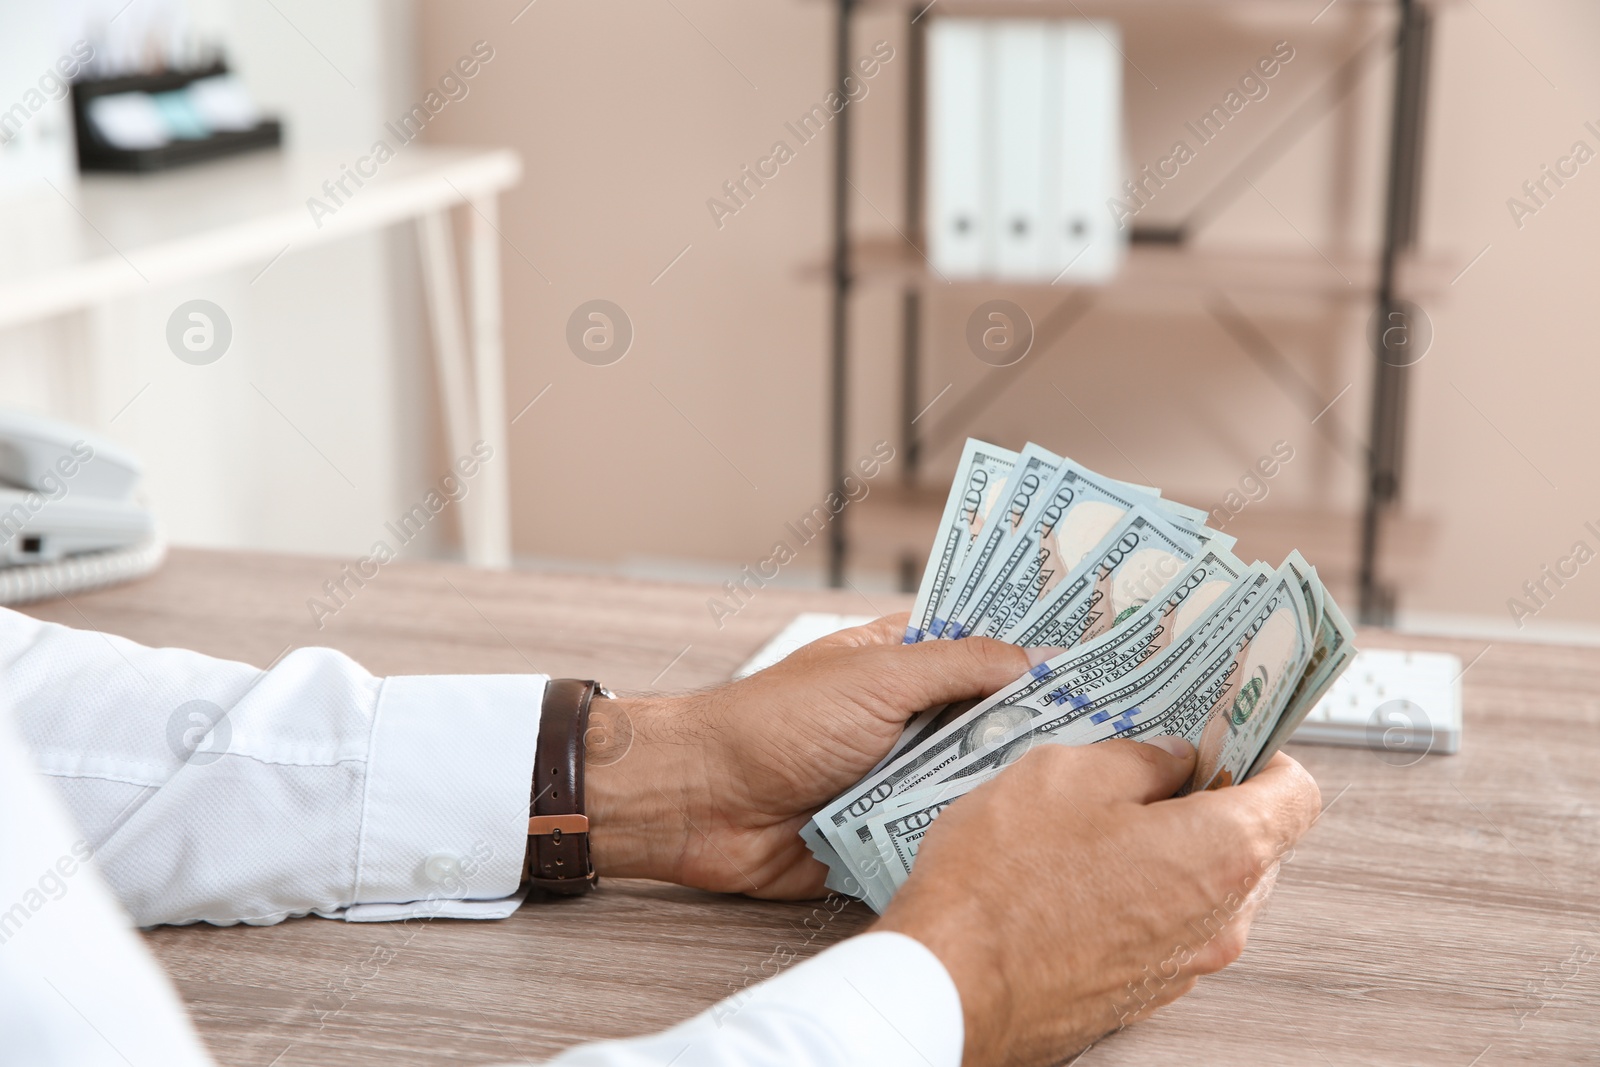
558 830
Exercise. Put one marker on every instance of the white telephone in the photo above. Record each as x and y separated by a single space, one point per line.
68 517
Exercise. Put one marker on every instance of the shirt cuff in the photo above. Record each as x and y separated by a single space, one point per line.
883 996
878 1000
445 816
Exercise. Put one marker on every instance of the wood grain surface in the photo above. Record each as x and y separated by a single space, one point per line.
1443 912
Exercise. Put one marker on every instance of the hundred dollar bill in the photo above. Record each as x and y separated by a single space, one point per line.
848 829
1310 586
1178 514
1183 603
1063 546
1266 651
896 834
1333 649
1185 515
1260 681
1227 705
1057 559
1076 717
1140 523
1138 530
1189 600
893 832
841 879
979 483
872 867
1035 550
1327 635
1139 556
863 874
1061 522
900 834
1036 469
857 870
1253 693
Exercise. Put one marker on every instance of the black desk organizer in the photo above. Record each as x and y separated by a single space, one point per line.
96 154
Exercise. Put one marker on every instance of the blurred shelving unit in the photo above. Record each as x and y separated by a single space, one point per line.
1165 260
1153 268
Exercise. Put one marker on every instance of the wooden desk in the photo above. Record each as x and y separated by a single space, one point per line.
1442 913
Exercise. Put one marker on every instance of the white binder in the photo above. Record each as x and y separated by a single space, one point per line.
1021 47
960 233
1024 149
1085 245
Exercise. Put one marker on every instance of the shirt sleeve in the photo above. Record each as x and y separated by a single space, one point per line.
878 1000
207 790
77 986
214 791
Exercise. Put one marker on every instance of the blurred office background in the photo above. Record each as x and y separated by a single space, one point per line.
687 457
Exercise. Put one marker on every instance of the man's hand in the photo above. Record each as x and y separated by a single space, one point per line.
711 789
1070 896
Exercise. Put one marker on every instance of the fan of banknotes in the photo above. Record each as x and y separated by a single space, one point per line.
1158 629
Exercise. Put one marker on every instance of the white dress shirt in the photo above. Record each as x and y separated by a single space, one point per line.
206 790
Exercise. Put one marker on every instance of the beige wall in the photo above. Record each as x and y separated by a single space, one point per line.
710 433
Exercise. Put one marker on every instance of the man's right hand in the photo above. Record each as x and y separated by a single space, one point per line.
1073 894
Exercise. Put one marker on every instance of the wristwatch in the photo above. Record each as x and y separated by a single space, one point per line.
558 860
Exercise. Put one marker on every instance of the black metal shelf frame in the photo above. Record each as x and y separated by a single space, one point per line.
1411 45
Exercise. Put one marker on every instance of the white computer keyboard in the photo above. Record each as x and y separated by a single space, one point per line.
1408 703
1402 702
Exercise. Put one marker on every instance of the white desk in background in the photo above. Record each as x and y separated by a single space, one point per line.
113 236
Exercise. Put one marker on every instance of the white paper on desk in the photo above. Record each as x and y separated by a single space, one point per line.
802 630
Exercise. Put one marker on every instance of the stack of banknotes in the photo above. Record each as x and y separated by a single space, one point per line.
1156 627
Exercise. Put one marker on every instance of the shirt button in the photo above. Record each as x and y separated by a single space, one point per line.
441 867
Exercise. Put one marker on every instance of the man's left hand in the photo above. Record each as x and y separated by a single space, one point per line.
710 789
